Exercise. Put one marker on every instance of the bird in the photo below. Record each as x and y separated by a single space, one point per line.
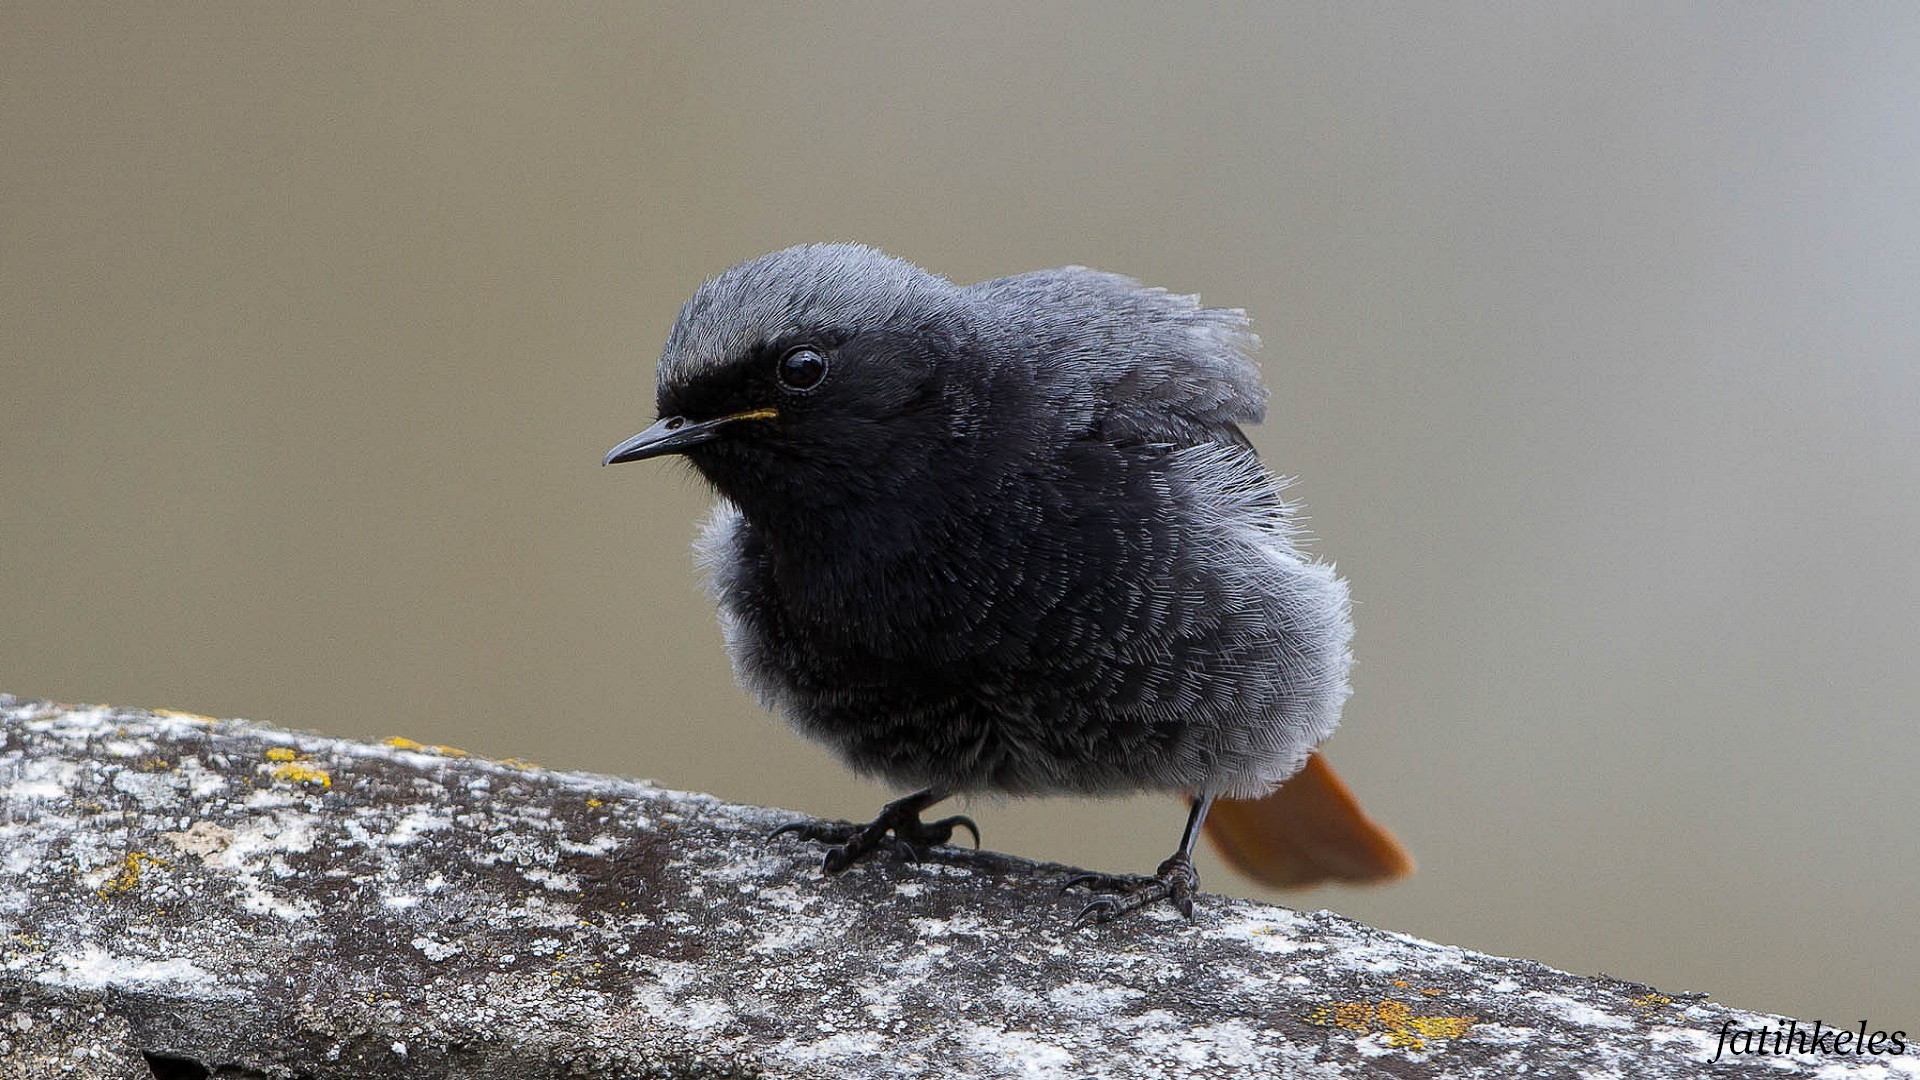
1010 538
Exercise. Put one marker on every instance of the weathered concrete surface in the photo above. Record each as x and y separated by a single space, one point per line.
179 894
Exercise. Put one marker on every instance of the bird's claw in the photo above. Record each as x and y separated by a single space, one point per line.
1096 911
839 857
898 828
1175 881
940 832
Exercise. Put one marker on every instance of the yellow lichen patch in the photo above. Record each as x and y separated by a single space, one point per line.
595 804
517 763
1352 1015
401 742
1393 1019
131 868
153 764
179 715
291 769
296 773
1651 1001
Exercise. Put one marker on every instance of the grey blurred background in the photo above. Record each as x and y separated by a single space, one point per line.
1592 331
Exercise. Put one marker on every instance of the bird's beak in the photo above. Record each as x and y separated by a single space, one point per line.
672 434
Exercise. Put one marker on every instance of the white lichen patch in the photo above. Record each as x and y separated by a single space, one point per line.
25 713
1579 1012
744 864
202 783
690 1013
152 790
272 798
254 859
543 911
41 780
1091 1001
1505 1035
94 968
601 844
1019 1053
1267 930
1380 959
510 848
1015 999
415 824
553 880
435 949
256 899
266 836
1258 979
781 935
956 926
949 870
84 724
1693 1041
789 897
16 862
861 1046
1232 1046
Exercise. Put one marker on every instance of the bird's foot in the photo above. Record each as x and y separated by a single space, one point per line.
1176 881
898 827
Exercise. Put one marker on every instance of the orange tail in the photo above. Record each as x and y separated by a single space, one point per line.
1310 830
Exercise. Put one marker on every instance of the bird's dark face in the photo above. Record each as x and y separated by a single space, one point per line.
815 378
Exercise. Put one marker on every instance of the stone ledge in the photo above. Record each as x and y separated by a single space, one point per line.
184 897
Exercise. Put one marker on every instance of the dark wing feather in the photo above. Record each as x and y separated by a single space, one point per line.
1130 364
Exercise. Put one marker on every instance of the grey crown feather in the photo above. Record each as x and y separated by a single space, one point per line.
847 285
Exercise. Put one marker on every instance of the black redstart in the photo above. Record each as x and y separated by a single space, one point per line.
1009 537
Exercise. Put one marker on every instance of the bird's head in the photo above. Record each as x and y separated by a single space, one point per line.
812 378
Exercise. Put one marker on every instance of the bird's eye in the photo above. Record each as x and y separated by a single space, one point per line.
801 368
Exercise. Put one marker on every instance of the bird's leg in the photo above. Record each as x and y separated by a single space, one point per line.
900 817
1175 881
